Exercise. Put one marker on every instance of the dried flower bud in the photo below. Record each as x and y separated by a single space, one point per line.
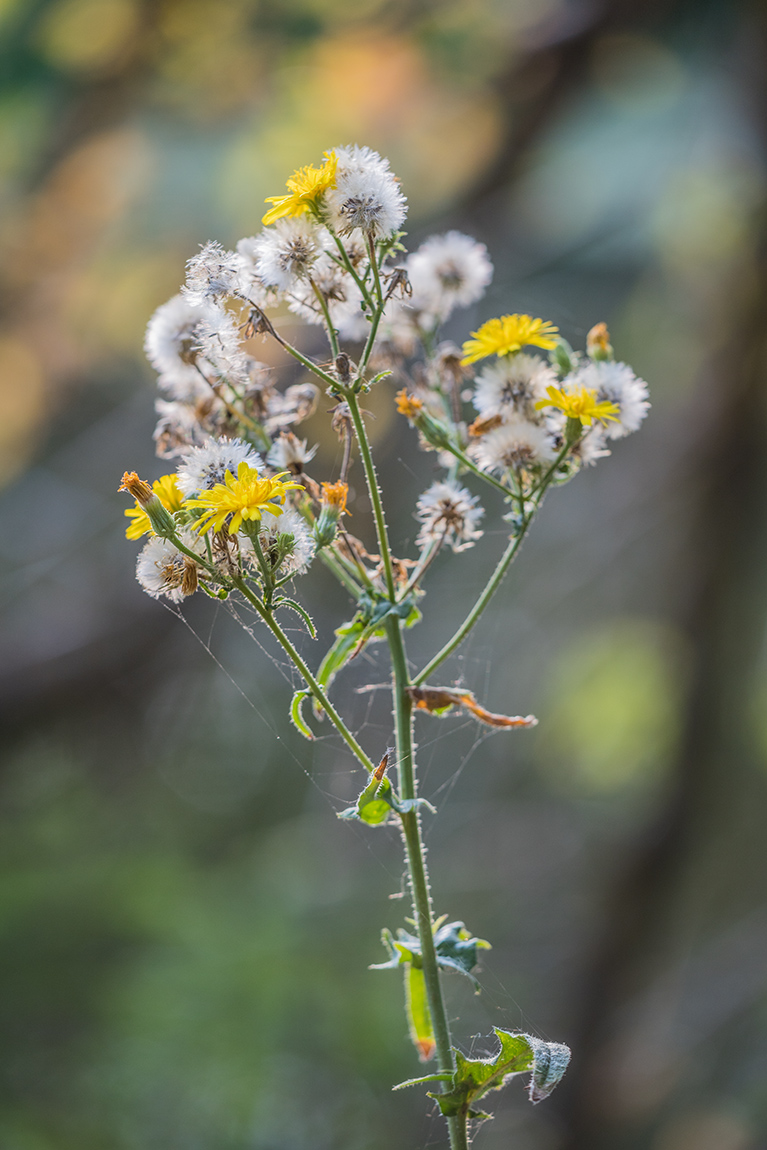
332 508
484 423
163 523
598 342
343 368
408 405
138 488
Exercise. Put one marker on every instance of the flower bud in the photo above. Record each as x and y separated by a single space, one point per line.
163 523
434 432
332 508
598 343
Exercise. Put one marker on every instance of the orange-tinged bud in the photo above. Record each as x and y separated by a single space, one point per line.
334 495
138 488
598 342
408 404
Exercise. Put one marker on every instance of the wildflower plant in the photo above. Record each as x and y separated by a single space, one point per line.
243 515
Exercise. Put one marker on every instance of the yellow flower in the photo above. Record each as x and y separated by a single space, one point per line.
242 498
581 404
305 186
167 491
508 334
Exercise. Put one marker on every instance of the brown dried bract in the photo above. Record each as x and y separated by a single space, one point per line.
484 423
438 698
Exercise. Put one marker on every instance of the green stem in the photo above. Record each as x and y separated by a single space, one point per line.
489 590
495 580
308 363
373 491
378 311
311 682
471 466
416 861
353 271
332 333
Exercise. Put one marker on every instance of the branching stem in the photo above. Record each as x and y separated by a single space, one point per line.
311 682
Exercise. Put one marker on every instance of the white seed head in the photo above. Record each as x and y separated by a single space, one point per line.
162 569
286 252
366 196
289 453
203 467
213 274
516 443
617 383
512 385
450 513
446 272
289 523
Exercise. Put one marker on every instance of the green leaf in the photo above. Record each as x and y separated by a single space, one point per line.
286 602
456 949
475 1077
420 1081
399 953
417 1011
350 640
563 359
374 804
297 718
374 813
404 806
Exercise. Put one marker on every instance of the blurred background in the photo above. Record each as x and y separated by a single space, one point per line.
185 927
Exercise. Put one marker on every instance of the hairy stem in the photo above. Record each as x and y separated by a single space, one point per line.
416 863
373 491
352 270
332 333
488 591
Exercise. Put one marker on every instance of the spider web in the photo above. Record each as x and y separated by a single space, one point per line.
375 731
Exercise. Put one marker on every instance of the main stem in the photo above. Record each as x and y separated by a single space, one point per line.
416 862
403 714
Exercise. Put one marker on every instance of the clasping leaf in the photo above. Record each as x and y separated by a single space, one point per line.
518 1053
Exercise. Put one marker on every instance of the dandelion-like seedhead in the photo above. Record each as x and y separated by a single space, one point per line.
250 506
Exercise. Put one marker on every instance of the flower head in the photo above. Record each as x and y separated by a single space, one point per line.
162 569
165 489
450 514
243 498
289 453
334 495
598 343
408 404
518 443
511 385
447 271
615 383
305 187
204 466
580 404
508 334
213 274
286 555
365 196
332 508
286 252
